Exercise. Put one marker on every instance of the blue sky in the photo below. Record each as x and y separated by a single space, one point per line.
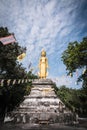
48 24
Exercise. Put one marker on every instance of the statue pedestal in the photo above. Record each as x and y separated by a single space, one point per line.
42 106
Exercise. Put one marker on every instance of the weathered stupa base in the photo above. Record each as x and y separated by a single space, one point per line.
42 106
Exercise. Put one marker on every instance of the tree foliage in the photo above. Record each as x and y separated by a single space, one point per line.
74 99
9 66
11 95
75 57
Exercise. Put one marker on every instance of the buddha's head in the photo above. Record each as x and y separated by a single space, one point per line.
43 53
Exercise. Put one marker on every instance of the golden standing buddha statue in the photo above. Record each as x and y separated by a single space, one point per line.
43 65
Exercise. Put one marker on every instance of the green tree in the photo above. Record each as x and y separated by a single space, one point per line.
30 75
10 68
74 99
65 95
75 57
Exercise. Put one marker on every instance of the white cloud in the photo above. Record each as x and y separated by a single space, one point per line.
50 6
62 80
